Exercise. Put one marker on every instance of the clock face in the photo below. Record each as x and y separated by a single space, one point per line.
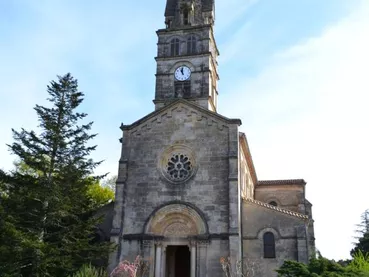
182 73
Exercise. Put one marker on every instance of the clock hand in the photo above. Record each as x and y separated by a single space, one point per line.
182 71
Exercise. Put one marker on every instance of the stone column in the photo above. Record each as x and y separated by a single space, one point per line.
149 252
158 260
152 265
193 259
202 257
164 261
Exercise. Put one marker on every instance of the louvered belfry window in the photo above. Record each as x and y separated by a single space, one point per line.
191 45
174 47
269 245
182 89
185 18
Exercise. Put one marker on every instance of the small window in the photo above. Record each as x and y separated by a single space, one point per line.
185 17
182 89
191 45
273 203
169 24
269 245
174 47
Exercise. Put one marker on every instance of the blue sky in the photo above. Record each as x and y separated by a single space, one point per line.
295 72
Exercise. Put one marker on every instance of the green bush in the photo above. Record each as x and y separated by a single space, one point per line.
89 271
360 262
322 267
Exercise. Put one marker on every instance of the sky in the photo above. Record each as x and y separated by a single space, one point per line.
295 72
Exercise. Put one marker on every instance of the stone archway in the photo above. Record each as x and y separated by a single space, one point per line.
176 221
177 224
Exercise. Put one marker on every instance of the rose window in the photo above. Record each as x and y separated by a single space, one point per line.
178 163
179 167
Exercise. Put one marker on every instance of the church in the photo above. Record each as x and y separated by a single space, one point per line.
187 193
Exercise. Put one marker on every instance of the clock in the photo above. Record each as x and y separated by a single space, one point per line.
182 73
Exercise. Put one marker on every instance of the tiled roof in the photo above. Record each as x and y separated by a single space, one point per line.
277 209
207 5
282 182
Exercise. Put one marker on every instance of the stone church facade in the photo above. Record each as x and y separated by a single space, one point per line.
187 192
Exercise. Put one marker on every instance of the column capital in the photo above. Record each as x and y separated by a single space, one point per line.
147 243
203 243
192 243
158 243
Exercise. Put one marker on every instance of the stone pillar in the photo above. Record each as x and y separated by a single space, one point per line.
146 245
163 261
152 265
158 260
193 259
235 235
302 249
149 251
202 257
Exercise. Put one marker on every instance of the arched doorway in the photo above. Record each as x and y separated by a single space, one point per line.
178 225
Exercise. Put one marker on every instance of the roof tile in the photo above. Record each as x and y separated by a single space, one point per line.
271 207
282 182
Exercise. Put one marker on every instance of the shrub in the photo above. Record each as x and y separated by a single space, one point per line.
89 271
138 268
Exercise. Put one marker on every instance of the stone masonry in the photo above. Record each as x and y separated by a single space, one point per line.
187 192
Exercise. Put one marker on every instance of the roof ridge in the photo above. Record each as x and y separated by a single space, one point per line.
282 181
271 207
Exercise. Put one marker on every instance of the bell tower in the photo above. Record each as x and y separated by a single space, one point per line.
187 54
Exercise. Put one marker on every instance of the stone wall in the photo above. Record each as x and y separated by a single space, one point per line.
290 197
146 188
290 239
202 63
142 186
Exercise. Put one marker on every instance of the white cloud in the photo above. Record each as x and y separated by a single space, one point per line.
306 115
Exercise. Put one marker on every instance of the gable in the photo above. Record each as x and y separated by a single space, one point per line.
180 106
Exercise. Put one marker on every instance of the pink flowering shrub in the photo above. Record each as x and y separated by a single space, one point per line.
138 268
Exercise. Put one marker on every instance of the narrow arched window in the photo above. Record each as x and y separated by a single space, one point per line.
174 47
185 18
273 203
269 245
191 45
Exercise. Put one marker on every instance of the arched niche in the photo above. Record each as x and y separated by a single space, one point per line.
176 220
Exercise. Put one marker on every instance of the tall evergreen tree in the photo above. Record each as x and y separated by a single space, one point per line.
46 210
363 240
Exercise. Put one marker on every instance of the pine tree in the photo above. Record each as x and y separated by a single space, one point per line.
363 240
47 209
